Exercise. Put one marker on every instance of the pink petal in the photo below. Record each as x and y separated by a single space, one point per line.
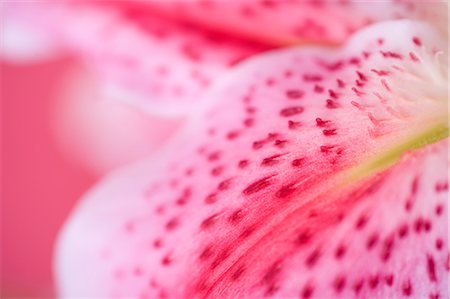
285 22
159 65
286 165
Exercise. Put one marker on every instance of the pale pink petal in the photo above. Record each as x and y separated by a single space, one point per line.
255 195
157 64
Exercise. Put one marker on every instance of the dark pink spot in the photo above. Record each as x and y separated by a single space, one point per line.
214 156
403 230
157 243
258 144
312 78
418 224
361 222
243 163
297 162
307 291
224 185
339 283
172 224
221 257
321 123
206 253
216 171
329 132
166 261
285 191
248 122
439 209
380 72
427 225
386 251
332 104
236 216
439 244
209 222
385 85
295 94
280 143
251 110
359 83
292 125
357 105
270 161
333 66
431 268
389 279
358 285
372 241
413 57
318 88
354 61
407 288
258 185
290 111
361 76
417 41
390 54
373 281
434 296
303 238
238 273
247 232
232 135
408 205
340 252
211 198
312 258
357 92
326 148
333 94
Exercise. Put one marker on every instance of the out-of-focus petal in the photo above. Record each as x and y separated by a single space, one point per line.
22 44
292 160
154 63
101 134
288 22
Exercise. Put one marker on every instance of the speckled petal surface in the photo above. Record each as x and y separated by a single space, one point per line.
295 180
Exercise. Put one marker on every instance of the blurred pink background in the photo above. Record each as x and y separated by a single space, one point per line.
39 185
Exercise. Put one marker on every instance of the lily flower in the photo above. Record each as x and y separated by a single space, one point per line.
306 172
315 170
